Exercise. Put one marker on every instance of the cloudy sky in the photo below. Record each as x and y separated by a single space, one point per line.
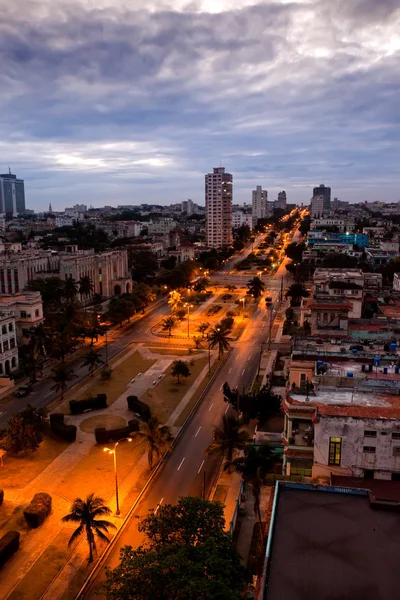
102 101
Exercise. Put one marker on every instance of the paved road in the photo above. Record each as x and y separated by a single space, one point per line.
42 393
183 472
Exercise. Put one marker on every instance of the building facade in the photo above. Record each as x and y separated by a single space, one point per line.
281 202
8 344
12 195
27 309
218 196
240 218
259 204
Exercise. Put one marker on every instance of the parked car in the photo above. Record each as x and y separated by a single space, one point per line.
268 300
23 390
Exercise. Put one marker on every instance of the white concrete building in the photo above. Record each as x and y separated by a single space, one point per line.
218 196
27 309
343 225
343 432
8 344
240 218
163 226
259 204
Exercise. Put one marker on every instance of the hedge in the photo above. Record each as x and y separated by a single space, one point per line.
139 408
79 406
104 435
9 544
64 431
1 497
37 511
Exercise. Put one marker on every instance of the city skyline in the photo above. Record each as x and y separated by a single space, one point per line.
120 105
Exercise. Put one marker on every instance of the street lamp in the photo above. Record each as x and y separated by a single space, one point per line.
259 273
114 452
243 300
189 306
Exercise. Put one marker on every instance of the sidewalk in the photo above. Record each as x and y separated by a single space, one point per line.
56 477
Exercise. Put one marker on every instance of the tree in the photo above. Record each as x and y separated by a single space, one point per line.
85 286
254 466
120 310
24 431
70 289
92 360
86 514
201 284
228 439
197 340
259 405
219 337
294 251
202 328
296 292
255 287
179 369
227 323
156 439
143 264
175 301
62 373
186 554
307 327
167 324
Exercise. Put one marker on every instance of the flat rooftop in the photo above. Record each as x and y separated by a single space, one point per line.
329 545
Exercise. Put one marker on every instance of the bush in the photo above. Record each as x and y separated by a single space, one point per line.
1 497
104 435
105 374
138 407
64 431
9 544
37 511
79 406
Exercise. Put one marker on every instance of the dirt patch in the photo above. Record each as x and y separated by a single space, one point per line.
107 421
165 397
17 472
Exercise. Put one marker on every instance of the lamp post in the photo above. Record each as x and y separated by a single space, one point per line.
209 353
243 300
106 348
188 307
113 451
259 273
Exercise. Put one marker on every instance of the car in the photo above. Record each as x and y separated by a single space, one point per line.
268 300
23 390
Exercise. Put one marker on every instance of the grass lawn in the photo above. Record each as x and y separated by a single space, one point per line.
39 577
165 397
121 376
17 472
95 472
181 419
173 351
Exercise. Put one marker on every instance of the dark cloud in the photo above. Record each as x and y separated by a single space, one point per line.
282 92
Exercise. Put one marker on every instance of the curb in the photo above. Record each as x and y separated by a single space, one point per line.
86 586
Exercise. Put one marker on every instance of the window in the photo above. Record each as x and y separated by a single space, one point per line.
4 329
396 451
5 346
37 312
12 343
10 327
369 449
396 435
23 314
335 450
370 434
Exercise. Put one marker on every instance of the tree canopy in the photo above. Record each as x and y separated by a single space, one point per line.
187 554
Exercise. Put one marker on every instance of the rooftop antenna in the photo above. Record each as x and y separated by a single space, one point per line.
9 171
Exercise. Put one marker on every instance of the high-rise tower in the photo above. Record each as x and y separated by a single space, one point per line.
218 192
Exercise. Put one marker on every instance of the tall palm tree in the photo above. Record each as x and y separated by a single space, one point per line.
296 292
254 466
167 324
92 360
85 287
255 287
70 289
219 337
86 513
229 439
202 328
62 373
156 440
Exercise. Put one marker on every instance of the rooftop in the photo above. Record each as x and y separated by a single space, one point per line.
328 542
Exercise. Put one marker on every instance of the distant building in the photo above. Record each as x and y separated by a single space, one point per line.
321 202
12 195
321 190
188 207
259 204
218 196
240 218
281 202
27 308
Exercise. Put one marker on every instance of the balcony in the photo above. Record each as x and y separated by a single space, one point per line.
302 438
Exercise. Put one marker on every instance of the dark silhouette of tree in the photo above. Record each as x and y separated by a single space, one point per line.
156 439
179 369
228 439
255 287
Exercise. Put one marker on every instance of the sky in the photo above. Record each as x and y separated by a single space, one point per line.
107 102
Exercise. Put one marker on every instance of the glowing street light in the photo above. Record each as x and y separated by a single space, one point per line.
113 451
189 306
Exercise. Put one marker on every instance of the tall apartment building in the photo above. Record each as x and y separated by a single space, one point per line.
218 192
281 202
259 204
188 207
12 195
321 202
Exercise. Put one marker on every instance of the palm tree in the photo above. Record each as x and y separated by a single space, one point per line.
70 289
85 286
62 373
36 347
228 439
296 292
202 328
156 440
219 336
167 324
92 360
254 466
256 287
85 513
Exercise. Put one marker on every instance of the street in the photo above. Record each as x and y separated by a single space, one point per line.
183 472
